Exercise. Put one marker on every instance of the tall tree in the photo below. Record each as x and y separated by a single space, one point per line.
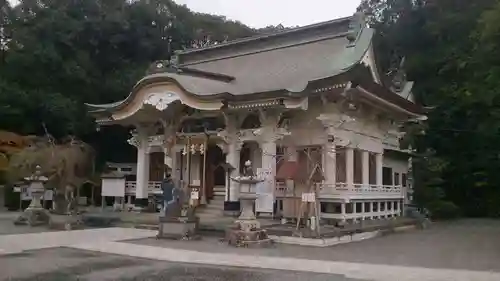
59 54
450 54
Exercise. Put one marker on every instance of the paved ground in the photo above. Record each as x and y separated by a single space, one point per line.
65 264
466 244
7 226
467 250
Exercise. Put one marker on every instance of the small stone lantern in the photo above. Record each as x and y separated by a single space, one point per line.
247 232
35 214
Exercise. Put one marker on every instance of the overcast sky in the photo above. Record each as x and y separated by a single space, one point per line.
260 13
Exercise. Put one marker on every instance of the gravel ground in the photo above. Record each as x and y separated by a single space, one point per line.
465 244
63 264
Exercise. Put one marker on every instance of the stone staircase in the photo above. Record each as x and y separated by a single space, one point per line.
215 209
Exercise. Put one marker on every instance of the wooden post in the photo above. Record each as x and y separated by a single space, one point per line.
188 169
204 198
92 191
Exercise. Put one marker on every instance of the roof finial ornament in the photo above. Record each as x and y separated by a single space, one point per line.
398 76
358 22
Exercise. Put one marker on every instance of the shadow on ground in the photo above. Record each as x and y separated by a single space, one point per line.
65 264
465 244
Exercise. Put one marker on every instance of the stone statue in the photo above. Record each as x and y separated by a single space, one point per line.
248 170
172 198
178 222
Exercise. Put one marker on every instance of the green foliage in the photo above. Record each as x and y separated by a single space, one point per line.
443 210
55 55
453 54
11 198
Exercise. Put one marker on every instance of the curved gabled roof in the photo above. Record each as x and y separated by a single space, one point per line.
278 67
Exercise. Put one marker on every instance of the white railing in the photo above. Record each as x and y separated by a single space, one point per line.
154 187
343 190
283 191
360 191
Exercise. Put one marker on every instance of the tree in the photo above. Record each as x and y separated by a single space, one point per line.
452 57
60 54
67 165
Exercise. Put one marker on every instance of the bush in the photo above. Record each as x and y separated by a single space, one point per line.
443 210
11 198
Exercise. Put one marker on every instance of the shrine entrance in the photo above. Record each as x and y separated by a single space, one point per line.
215 174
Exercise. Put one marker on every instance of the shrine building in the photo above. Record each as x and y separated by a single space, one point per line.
306 106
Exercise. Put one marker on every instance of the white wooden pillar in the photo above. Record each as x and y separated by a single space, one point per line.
372 208
349 166
379 164
233 159
363 211
330 171
269 160
167 161
142 178
342 211
366 168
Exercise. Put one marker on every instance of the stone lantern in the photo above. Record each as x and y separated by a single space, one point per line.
247 232
35 214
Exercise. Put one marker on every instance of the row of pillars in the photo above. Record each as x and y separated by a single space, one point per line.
331 166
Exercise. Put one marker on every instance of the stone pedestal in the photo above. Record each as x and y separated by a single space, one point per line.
180 228
35 214
179 222
246 231
256 238
66 222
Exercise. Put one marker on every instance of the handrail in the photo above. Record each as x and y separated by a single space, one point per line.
358 189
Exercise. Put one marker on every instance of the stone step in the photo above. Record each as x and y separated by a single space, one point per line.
212 209
210 215
213 205
216 205
220 189
217 199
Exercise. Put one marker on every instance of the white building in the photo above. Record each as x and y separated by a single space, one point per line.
305 98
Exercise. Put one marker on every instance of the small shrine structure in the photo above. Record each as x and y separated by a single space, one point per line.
290 102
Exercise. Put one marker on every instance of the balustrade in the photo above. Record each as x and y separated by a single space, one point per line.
359 191
340 190
154 187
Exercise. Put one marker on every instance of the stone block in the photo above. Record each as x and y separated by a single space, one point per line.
33 217
178 228
249 239
66 222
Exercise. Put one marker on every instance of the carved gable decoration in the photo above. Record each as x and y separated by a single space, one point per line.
161 100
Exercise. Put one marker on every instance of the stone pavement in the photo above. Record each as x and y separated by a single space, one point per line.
17 243
465 244
64 264
466 238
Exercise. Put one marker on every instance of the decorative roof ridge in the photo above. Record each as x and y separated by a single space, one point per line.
170 66
264 36
327 37
356 26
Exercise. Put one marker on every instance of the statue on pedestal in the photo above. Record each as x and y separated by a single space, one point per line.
178 221
172 198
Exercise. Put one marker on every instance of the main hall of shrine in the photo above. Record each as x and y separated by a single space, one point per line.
307 108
